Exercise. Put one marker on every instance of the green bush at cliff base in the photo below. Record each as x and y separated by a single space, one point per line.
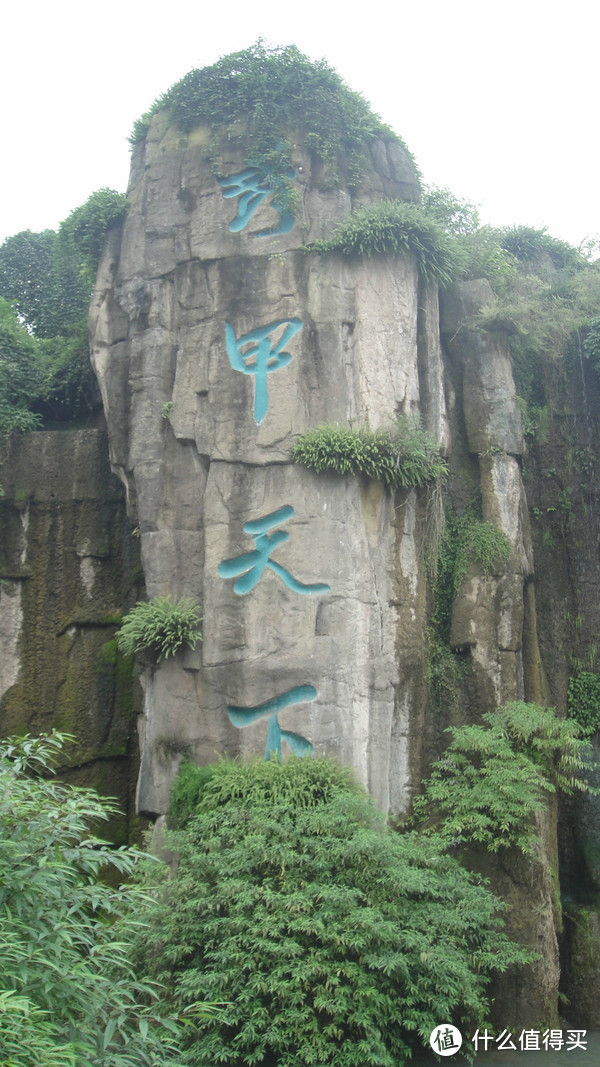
68 994
186 792
159 628
494 776
401 458
396 228
331 938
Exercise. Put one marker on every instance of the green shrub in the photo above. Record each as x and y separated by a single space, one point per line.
68 994
457 217
20 374
478 542
158 628
186 792
265 92
584 701
48 278
493 777
529 245
396 228
82 234
478 249
332 939
466 539
401 458
48 294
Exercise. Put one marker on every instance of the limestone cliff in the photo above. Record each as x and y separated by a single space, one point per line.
171 297
217 338
67 571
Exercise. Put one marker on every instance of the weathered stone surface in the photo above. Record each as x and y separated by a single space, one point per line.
492 418
434 407
581 979
199 463
11 618
66 573
503 503
203 450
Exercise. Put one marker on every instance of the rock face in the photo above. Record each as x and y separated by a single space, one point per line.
488 615
184 311
216 339
67 570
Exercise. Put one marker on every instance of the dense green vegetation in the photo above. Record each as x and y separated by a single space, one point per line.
160 627
495 775
261 94
296 927
330 938
546 294
393 227
19 374
401 458
46 281
584 701
68 992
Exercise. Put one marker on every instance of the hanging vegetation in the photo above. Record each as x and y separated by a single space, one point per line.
401 458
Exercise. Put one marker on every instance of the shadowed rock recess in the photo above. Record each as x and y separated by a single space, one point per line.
217 338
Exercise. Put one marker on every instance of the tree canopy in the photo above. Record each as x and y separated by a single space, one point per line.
68 994
46 281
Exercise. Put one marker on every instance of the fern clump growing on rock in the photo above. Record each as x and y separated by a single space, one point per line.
159 628
396 228
401 458
495 776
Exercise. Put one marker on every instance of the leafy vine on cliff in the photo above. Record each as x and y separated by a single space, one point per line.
495 776
265 92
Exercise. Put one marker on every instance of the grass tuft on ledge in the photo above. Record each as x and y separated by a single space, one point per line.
401 458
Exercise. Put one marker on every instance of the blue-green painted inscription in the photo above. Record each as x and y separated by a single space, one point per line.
242 717
251 565
252 186
262 355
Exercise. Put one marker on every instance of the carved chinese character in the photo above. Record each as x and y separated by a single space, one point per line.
263 354
252 185
251 565
242 717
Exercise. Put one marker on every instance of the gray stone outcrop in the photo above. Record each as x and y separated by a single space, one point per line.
198 463
67 572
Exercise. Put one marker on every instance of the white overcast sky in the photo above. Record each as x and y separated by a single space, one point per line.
498 102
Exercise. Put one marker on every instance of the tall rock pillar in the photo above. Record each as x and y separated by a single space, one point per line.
216 340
